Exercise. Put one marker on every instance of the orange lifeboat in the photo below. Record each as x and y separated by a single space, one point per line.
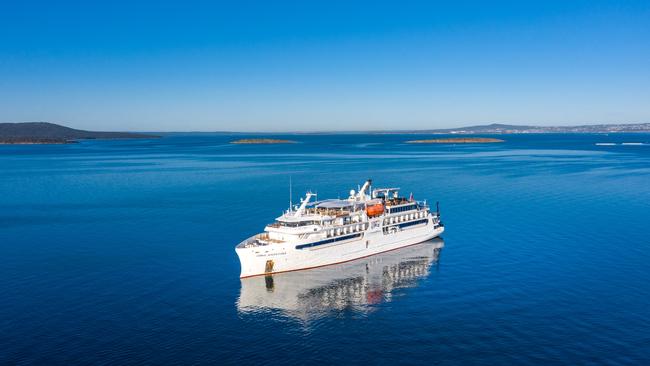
375 210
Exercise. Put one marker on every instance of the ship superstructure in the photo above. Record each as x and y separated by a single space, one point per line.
319 233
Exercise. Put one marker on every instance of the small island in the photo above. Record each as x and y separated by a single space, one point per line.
262 141
457 140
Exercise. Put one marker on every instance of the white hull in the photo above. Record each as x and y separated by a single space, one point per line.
357 284
290 256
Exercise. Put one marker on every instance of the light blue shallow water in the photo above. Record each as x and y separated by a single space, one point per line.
122 252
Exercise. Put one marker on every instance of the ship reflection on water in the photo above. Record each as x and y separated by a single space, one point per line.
356 285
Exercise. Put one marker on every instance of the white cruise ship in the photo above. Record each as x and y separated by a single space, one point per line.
320 233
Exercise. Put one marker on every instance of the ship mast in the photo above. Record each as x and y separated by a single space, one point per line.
290 196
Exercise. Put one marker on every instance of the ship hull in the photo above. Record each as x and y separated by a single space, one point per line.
306 295
285 257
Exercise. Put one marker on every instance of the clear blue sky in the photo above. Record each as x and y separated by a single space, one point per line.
273 66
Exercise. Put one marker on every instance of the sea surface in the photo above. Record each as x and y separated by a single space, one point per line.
122 252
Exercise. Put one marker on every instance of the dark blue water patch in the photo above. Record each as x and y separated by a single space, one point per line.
123 252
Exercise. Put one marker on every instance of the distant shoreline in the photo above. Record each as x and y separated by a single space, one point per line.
261 141
37 131
36 142
458 140
490 129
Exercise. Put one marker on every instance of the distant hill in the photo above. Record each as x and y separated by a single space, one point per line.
50 133
497 128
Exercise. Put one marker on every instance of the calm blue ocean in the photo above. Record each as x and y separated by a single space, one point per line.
122 252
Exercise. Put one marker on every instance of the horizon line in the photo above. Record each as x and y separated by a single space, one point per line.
377 131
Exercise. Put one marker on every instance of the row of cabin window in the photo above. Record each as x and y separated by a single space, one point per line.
402 209
411 216
413 223
407 224
346 230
